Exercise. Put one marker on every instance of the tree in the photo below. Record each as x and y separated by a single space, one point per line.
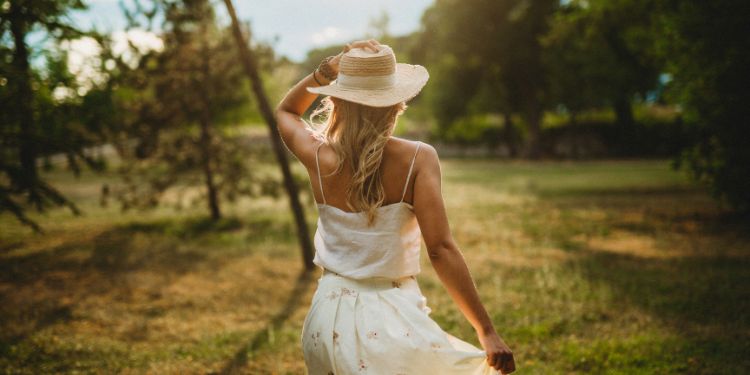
490 48
180 106
34 121
599 53
705 48
249 62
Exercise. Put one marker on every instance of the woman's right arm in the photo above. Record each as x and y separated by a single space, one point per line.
448 261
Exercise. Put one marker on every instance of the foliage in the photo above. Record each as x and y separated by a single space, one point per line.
520 57
487 55
706 50
181 106
598 54
44 111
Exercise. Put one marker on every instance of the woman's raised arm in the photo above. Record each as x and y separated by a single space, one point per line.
288 113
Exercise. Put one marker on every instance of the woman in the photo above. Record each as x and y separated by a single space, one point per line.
368 314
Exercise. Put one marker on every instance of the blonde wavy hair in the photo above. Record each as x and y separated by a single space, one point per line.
358 134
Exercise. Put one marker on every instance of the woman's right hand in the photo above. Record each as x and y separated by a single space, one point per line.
499 355
370 44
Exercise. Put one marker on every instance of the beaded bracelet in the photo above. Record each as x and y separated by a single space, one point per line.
316 78
325 69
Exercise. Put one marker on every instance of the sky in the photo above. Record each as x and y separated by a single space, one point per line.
292 27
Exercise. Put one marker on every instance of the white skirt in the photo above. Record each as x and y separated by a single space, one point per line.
381 326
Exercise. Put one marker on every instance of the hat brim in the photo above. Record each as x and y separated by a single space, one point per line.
410 79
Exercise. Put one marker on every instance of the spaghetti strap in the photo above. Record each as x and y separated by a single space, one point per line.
406 184
320 180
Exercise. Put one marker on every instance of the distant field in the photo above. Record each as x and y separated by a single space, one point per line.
616 267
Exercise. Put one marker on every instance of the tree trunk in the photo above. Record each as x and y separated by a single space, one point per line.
623 111
208 173
251 69
23 101
25 180
625 126
206 136
509 133
533 118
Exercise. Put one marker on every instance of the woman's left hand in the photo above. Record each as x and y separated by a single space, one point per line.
371 44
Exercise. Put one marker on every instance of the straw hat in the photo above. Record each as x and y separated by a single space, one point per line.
374 78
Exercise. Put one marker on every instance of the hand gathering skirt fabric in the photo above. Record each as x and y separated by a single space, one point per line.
381 326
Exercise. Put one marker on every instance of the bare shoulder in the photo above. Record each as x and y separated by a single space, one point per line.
429 151
426 152
427 158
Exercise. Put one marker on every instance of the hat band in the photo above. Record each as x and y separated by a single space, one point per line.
366 82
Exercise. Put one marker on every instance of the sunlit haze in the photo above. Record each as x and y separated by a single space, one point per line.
292 26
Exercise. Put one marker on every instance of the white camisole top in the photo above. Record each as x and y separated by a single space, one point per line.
389 248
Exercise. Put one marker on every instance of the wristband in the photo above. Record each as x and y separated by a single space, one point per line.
325 69
316 78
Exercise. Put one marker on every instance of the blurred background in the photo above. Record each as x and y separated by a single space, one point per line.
596 173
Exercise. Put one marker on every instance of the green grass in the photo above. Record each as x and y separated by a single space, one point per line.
612 267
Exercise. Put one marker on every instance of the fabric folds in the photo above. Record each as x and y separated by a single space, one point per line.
381 326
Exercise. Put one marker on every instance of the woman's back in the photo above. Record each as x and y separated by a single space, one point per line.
347 244
423 190
399 155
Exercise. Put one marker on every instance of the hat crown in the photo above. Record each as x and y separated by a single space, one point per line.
374 78
359 62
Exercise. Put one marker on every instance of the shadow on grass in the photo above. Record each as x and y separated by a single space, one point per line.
698 291
646 211
191 227
671 191
240 358
42 288
724 224
109 253
704 299
685 292
10 246
705 288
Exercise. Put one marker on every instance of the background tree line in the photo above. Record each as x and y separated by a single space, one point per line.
519 74
640 77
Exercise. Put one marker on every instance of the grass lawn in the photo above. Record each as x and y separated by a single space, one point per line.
614 267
